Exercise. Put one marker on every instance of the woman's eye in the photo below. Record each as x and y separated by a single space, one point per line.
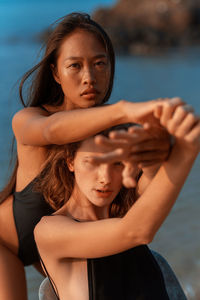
100 63
75 66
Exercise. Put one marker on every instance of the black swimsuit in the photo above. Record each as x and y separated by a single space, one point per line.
130 275
28 208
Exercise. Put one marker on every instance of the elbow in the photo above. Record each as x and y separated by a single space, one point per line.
140 237
147 235
38 231
147 238
50 133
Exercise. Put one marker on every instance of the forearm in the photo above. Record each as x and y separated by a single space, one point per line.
150 210
114 235
145 179
71 126
33 127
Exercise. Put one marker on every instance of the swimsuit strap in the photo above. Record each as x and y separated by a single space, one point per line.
50 279
53 285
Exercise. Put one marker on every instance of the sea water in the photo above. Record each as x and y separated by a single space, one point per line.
138 78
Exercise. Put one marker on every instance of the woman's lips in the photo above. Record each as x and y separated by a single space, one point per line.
89 93
103 193
89 96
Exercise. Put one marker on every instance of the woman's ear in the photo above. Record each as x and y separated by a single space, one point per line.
70 164
55 73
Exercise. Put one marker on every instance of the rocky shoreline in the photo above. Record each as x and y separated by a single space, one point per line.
148 26
144 26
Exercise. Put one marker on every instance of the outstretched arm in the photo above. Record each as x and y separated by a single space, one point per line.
33 126
60 236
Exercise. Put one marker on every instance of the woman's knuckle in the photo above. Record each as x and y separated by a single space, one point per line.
192 117
181 109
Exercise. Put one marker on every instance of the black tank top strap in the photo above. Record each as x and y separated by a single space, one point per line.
53 285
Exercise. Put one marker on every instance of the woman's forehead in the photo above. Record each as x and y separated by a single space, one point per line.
89 147
80 42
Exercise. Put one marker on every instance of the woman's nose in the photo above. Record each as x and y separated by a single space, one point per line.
104 174
89 76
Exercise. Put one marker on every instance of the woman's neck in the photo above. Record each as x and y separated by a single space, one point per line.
53 109
83 211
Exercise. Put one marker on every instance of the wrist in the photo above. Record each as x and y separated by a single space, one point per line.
150 172
121 111
182 154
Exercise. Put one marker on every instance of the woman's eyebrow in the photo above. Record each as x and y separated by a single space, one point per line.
80 58
87 157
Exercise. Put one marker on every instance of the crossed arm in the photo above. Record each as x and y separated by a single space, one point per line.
34 127
60 237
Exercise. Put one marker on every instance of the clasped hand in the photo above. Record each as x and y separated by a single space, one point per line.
145 146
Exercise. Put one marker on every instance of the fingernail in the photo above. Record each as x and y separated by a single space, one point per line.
176 100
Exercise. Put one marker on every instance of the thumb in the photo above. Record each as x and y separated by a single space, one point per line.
129 175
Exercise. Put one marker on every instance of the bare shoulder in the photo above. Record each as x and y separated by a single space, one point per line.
25 117
27 113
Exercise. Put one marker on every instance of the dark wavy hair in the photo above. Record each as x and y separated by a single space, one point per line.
56 181
44 89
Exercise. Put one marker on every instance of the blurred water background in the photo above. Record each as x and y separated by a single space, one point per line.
138 78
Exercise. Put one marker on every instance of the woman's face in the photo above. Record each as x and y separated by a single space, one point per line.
96 184
83 70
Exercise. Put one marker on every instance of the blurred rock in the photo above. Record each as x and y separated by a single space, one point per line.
143 26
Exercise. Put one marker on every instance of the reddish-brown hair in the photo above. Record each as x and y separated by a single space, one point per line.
56 181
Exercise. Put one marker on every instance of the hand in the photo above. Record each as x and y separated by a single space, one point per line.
143 146
182 123
139 147
143 112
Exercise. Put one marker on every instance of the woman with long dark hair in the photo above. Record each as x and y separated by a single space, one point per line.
93 246
64 104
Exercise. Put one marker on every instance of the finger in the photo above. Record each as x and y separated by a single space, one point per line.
151 145
194 135
112 156
176 101
186 126
129 175
123 135
158 112
129 182
159 108
139 128
168 109
148 156
134 128
108 143
135 136
178 117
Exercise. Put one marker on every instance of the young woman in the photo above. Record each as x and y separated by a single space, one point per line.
76 72
89 246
